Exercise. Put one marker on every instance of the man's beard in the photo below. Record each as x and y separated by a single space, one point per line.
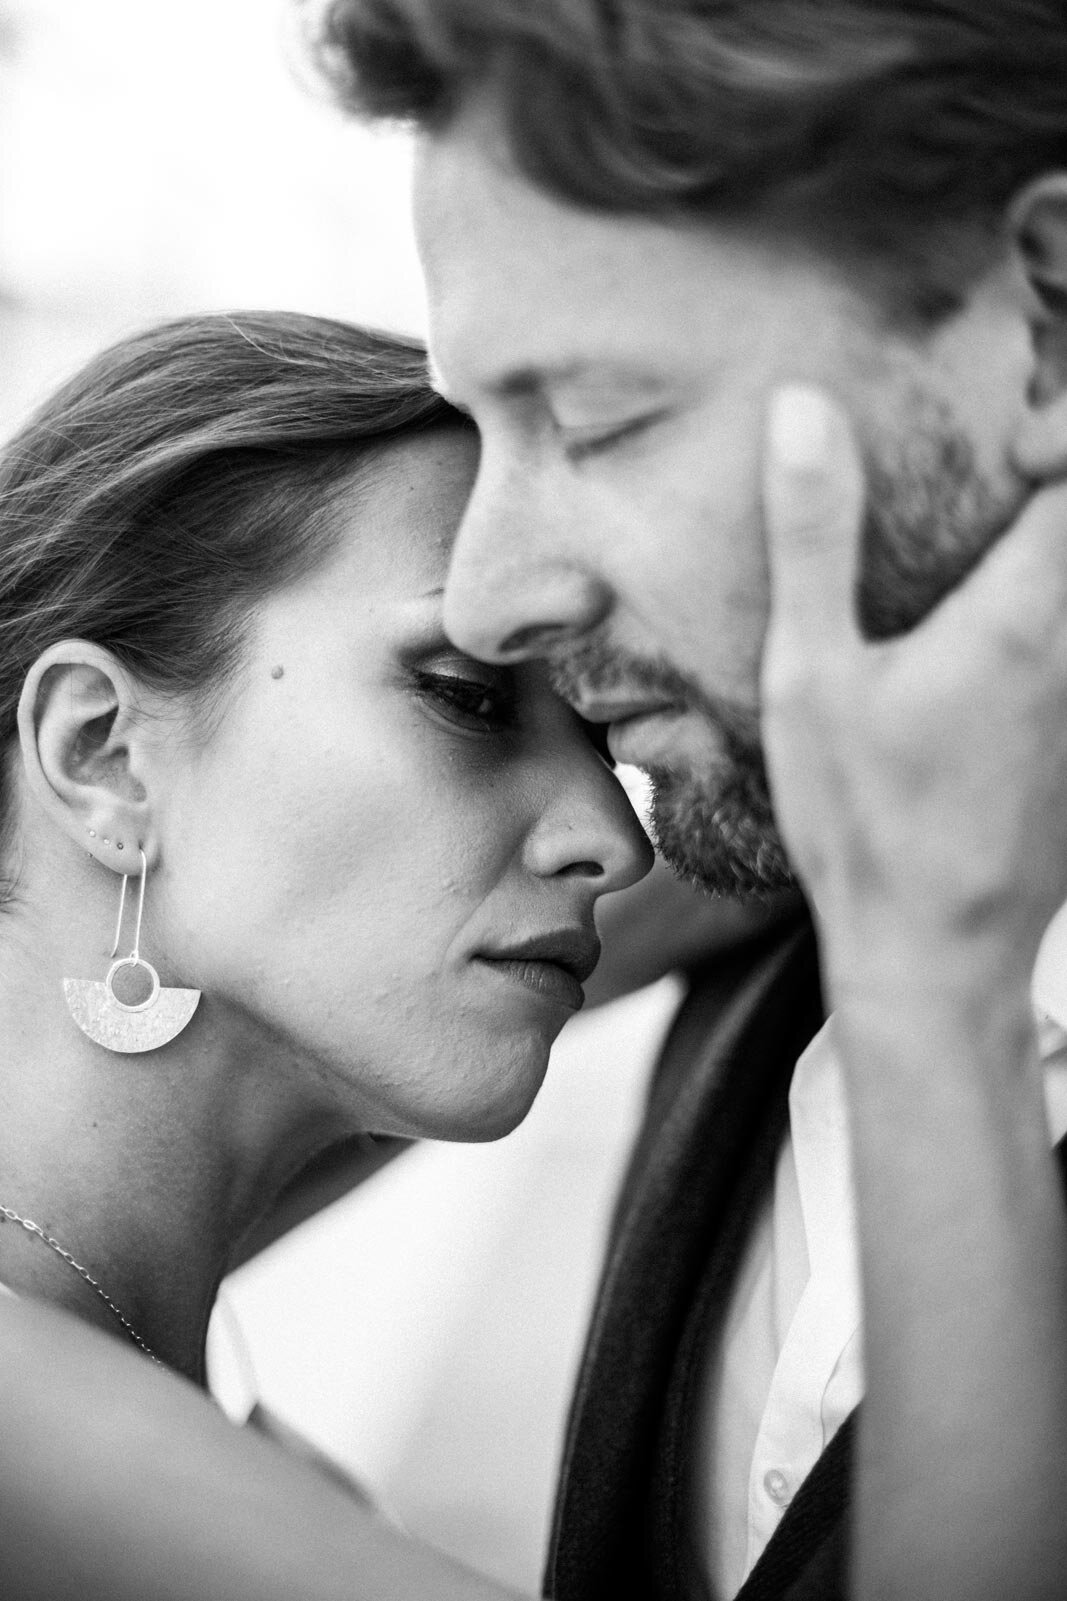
717 828
930 516
713 826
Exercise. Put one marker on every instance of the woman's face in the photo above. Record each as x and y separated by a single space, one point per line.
386 857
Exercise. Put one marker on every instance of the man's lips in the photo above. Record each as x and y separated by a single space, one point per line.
603 709
659 731
639 726
553 965
643 734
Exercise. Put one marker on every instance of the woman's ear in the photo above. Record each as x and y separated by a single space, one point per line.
81 740
1037 220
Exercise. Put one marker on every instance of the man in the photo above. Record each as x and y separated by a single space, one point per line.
931 871
653 232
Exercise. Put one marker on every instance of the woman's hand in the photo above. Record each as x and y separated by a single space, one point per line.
921 788
920 783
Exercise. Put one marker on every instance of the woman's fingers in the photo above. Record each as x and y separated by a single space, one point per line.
813 500
936 758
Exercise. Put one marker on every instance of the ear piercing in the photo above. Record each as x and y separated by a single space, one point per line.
119 846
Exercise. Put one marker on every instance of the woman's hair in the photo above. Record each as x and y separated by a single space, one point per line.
889 131
182 475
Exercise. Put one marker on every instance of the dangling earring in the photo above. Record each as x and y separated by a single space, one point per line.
142 1025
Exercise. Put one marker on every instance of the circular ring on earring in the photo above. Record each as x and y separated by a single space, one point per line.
132 961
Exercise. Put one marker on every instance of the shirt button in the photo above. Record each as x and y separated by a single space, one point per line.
777 1487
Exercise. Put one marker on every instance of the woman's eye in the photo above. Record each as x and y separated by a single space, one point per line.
488 706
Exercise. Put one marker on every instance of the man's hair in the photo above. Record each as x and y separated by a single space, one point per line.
184 474
892 132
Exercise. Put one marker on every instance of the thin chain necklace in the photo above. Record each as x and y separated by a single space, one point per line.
54 1245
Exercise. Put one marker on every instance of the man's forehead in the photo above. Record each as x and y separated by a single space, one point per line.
524 291
525 288
479 219
462 171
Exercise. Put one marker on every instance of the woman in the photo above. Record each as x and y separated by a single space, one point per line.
357 869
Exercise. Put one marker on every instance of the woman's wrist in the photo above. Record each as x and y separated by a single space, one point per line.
926 1016
886 956
940 1076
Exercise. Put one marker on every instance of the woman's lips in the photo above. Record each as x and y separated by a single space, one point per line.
544 978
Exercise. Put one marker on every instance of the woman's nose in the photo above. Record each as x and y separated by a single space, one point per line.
590 831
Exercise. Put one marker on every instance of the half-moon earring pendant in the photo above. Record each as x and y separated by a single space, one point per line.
142 1015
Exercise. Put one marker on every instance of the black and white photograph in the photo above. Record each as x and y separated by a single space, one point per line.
533 897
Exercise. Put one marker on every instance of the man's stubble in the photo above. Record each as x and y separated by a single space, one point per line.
930 516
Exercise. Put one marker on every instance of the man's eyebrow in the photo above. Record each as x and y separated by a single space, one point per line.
522 382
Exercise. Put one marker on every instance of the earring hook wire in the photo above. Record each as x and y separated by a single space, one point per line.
122 908
135 954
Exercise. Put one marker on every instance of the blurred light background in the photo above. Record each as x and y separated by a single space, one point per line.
164 158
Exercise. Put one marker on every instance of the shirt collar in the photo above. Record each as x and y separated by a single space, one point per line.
818 1116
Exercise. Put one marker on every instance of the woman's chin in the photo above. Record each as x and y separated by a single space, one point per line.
494 1123
494 1108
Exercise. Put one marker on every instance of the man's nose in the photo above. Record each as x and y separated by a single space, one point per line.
519 584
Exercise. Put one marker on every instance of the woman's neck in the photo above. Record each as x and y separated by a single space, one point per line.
147 1169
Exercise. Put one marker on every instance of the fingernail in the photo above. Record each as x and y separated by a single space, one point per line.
798 428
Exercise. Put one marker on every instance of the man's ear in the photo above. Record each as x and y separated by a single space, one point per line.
1037 220
80 738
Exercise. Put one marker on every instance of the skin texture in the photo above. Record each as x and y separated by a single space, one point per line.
932 894
95 1510
332 853
661 925
622 419
637 398
962 1455
464 836
620 371
938 1468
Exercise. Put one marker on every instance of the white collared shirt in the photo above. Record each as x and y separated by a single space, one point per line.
789 1368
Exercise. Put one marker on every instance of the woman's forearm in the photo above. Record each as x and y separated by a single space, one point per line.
962 1461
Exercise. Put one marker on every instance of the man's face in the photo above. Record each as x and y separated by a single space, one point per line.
619 370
